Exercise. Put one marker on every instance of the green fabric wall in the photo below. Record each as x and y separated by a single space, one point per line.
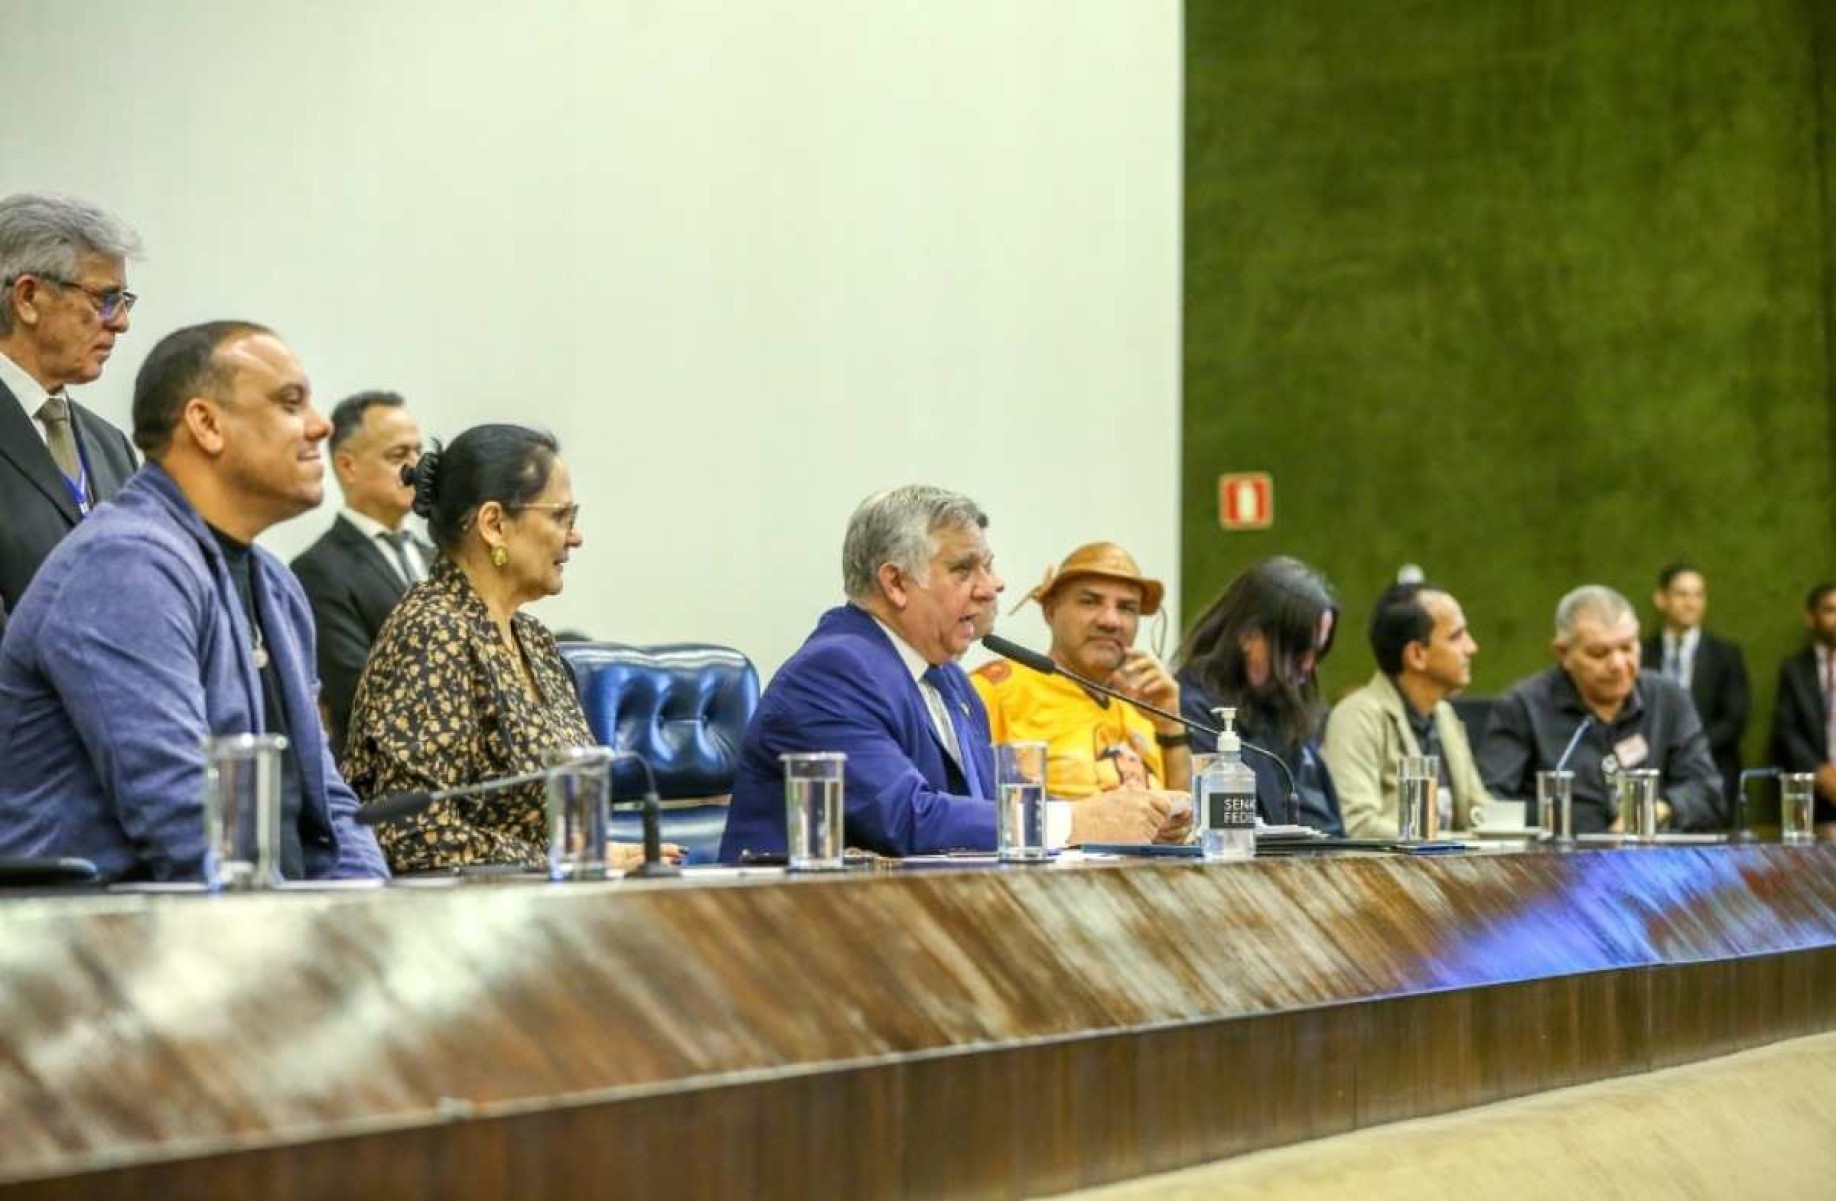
1532 294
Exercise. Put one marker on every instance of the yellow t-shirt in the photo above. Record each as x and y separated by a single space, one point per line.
1079 730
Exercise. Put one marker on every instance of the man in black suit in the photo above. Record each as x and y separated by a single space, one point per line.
1803 730
63 302
1712 670
363 564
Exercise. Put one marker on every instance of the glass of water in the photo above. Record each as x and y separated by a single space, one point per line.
1555 804
1797 797
1638 797
1020 804
1418 797
242 775
813 792
579 810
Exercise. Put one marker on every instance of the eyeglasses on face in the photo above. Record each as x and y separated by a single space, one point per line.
109 302
565 514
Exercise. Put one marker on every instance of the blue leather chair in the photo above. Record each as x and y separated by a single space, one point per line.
684 707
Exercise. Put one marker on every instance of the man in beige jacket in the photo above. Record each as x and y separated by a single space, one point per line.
1424 655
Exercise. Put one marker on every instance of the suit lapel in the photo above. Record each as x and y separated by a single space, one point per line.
101 453
25 450
370 557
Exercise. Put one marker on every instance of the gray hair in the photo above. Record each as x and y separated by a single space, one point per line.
45 235
896 526
1589 600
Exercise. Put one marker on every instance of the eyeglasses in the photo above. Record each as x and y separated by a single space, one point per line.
109 302
565 514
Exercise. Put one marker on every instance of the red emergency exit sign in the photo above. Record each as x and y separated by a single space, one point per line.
1246 500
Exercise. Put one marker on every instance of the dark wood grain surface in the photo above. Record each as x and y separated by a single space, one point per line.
996 1033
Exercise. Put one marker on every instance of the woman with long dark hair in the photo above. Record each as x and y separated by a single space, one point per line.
1257 649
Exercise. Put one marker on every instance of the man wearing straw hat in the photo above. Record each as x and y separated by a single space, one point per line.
1094 602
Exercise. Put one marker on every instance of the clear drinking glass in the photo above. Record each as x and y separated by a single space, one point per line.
242 774
1418 797
579 784
1797 797
813 792
1638 795
1020 804
1555 806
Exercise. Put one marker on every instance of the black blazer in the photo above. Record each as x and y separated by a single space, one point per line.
352 588
1718 686
1799 741
35 506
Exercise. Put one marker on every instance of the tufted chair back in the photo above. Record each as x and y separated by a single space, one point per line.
684 707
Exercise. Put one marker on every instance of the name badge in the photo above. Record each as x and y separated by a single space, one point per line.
1631 751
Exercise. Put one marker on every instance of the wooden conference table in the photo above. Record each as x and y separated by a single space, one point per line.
887 1033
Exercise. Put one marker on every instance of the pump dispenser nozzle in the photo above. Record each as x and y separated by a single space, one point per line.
1229 741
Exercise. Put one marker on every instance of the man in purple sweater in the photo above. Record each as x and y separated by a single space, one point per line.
158 623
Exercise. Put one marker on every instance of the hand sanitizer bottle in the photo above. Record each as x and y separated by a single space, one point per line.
1224 797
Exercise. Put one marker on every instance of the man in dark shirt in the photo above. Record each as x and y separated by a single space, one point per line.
1597 709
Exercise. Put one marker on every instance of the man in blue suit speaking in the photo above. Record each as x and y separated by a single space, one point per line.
878 680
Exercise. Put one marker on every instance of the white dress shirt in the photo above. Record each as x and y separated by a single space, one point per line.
1058 813
28 391
1681 650
381 534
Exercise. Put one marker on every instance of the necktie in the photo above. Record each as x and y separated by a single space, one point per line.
55 414
933 689
1674 660
404 562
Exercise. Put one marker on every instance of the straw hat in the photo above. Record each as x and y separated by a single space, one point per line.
1104 559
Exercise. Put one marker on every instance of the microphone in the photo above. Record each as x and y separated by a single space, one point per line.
1587 723
399 806
653 867
1050 667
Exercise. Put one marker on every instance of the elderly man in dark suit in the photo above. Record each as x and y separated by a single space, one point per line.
1711 669
63 302
356 572
1804 719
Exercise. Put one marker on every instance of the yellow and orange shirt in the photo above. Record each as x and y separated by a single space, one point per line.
1081 732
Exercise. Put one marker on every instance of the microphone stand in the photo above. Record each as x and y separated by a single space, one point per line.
1051 667
653 867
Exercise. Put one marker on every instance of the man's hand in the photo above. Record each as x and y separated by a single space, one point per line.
1826 781
1121 815
1146 678
1178 826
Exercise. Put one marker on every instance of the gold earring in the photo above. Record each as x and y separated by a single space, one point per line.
499 556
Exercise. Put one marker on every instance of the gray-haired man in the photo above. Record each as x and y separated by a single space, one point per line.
878 681
63 302
1635 719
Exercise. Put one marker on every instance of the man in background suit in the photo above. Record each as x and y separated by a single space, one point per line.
1803 725
878 681
356 572
63 302
1711 669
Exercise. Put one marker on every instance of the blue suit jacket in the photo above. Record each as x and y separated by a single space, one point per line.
846 689
129 647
